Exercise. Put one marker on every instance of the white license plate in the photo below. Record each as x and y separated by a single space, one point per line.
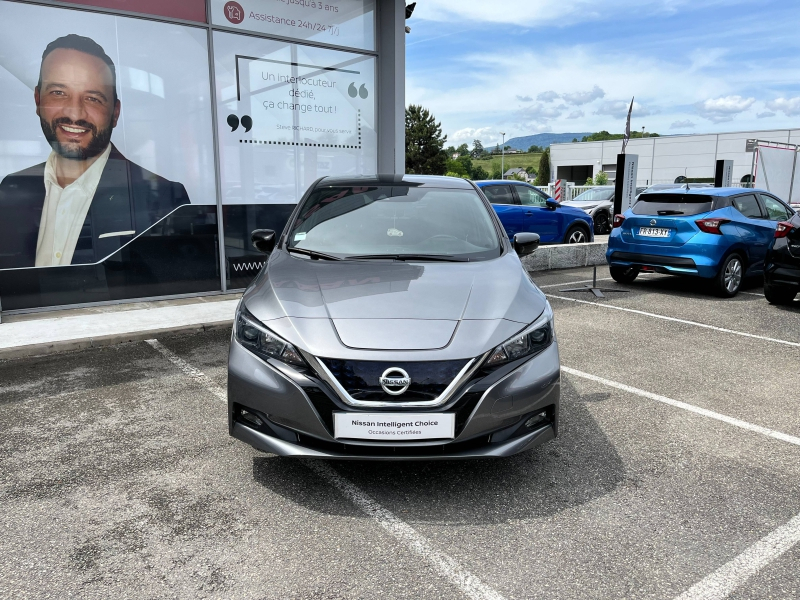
394 426
653 232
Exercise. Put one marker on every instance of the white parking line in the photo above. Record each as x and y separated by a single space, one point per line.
566 283
727 578
444 564
189 370
695 323
722 582
447 567
690 407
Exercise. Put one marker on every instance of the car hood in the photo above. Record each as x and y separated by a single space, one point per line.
329 307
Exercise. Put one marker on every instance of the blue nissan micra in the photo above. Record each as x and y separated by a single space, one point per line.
720 234
524 208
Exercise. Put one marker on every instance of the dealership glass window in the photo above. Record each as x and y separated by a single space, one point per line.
187 10
110 193
287 115
349 23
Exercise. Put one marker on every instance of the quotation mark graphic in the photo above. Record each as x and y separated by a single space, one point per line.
362 91
233 122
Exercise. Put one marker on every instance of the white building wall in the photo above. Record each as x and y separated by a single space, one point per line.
662 159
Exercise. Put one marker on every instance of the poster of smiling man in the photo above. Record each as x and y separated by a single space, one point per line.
115 155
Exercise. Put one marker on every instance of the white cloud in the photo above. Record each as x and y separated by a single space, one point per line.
485 134
788 106
619 109
724 108
524 98
687 124
580 98
576 114
765 115
548 96
537 113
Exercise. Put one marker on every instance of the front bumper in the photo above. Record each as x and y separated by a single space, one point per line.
290 414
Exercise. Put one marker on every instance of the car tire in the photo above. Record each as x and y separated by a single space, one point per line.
779 295
729 279
602 223
624 274
576 235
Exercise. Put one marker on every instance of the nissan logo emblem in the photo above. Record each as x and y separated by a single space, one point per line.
395 381
652 221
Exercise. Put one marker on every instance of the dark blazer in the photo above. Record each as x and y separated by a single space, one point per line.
128 198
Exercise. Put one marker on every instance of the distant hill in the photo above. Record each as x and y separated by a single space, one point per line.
542 139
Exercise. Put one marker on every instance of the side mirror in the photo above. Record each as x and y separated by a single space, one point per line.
551 204
525 243
263 240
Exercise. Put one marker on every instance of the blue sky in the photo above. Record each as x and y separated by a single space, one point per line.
530 66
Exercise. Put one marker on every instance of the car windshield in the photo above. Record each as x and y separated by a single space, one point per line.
395 221
672 204
596 195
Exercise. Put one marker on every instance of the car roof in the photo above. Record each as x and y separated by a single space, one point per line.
434 181
708 191
484 182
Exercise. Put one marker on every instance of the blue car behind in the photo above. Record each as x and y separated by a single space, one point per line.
720 234
524 208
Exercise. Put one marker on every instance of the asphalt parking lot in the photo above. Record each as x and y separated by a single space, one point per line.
676 474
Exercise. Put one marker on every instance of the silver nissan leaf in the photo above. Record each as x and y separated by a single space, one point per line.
393 320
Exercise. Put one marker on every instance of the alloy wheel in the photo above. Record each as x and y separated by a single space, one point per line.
577 237
601 224
733 275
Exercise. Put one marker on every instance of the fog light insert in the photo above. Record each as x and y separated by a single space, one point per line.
250 418
536 420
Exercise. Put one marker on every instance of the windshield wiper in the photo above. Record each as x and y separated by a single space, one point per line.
402 257
312 254
670 212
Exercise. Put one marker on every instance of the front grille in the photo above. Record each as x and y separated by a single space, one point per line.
361 379
325 406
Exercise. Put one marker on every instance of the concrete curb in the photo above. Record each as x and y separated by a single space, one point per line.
566 256
33 350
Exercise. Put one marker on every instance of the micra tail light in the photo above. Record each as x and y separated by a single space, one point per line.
783 229
711 225
618 219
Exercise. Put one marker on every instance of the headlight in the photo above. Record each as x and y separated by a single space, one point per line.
588 209
533 340
251 334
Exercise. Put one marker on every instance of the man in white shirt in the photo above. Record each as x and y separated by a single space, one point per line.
86 200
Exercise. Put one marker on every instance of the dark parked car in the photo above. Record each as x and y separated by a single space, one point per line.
522 207
782 265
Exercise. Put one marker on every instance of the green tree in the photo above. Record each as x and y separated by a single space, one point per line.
536 149
466 162
601 178
463 150
479 173
455 166
589 181
477 149
424 143
497 173
543 175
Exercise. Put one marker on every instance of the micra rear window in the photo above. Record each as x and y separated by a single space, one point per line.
673 204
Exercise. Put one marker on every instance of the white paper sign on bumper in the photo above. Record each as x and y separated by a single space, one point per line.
394 426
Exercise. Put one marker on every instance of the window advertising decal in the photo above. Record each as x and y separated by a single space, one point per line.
287 115
348 23
107 185
188 10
